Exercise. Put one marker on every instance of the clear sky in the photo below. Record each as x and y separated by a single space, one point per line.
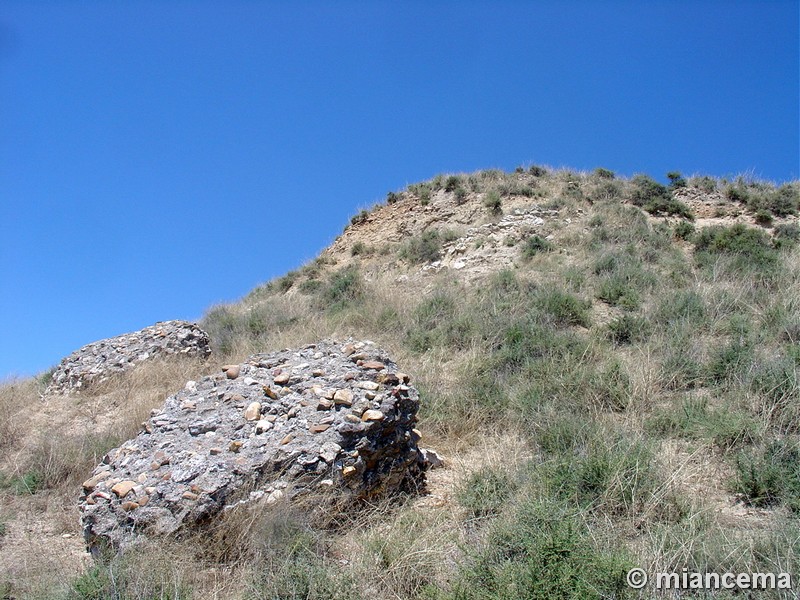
157 158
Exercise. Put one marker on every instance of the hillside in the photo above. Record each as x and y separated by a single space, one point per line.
608 367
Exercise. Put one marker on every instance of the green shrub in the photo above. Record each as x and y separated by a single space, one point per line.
776 383
392 198
437 322
787 234
730 428
628 329
604 173
28 483
285 283
681 306
493 202
656 198
563 308
764 217
704 183
560 434
684 230
451 183
460 195
535 244
616 290
310 286
540 552
785 200
606 190
515 188
344 288
616 477
94 584
359 218
730 360
646 190
486 492
758 196
676 180
683 421
358 249
623 280
425 247
222 324
423 191
679 354
524 342
537 171
752 247
770 475
725 427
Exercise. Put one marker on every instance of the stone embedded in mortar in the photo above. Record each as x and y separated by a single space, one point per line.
332 425
97 361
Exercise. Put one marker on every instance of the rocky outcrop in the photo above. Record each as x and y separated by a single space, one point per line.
330 417
96 362
493 246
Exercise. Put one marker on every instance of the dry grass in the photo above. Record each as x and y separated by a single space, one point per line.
489 401
53 445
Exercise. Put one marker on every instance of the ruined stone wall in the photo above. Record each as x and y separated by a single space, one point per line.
328 417
96 362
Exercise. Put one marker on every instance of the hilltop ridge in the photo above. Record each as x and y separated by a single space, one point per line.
609 368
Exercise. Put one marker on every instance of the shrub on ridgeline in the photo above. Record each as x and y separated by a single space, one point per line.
656 198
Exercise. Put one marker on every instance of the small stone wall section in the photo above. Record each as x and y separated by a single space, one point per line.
96 362
328 418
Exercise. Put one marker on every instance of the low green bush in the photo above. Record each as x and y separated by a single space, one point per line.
345 287
681 307
684 230
704 183
725 427
763 218
787 234
656 198
770 475
425 247
358 249
437 321
486 492
493 202
534 244
623 281
628 329
563 308
359 218
542 551
751 247
452 183
730 360
537 171
676 180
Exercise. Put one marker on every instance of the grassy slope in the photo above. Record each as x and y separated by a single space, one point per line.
625 395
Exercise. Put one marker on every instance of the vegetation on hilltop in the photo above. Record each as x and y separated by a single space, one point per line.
625 394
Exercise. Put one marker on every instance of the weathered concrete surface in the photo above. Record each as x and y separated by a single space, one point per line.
96 362
329 417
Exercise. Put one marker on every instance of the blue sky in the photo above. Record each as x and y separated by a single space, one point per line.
157 158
